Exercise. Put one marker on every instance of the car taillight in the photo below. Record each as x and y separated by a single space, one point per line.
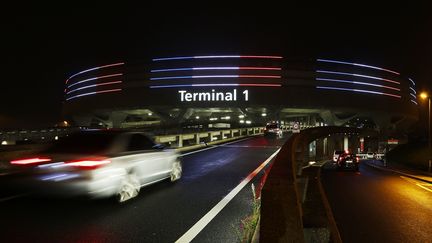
30 161
89 164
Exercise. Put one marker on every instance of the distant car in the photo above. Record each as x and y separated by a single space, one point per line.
273 129
98 164
370 155
336 154
348 161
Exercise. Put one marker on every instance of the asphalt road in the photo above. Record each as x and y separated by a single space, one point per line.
162 212
376 206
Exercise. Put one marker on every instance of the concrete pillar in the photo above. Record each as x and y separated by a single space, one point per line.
197 138
325 150
345 143
180 141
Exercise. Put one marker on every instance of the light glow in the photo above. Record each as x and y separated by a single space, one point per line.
212 85
95 78
95 68
94 85
210 57
358 75
29 161
213 68
92 93
355 82
424 95
359 91
216 76
358 65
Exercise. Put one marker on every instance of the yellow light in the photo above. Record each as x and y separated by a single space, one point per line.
424 95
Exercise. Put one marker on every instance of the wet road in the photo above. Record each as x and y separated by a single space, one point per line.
162 212
376 206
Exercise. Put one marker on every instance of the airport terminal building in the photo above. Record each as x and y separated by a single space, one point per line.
239 90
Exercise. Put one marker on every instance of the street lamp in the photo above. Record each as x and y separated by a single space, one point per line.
424 96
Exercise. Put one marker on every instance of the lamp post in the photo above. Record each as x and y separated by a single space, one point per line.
425 95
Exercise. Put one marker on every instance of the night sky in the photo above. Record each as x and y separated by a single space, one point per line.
41 45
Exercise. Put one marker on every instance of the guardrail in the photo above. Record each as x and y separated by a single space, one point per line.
190 139
374 156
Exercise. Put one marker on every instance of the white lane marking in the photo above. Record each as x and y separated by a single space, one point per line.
205 220
427 189
415 182
216 146
12 197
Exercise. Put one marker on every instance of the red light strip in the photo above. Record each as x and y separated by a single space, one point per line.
29 161
94 85
100 77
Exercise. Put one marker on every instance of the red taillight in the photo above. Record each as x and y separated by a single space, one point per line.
89 164
30 161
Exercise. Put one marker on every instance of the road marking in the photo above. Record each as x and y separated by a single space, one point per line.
215 146
205 220
415 182
13 197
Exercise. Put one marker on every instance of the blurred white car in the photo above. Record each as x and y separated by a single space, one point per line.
370 155
273 129
99 164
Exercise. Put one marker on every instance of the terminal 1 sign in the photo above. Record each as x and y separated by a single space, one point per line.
213 95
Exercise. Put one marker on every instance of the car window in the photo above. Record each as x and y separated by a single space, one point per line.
139 142
272 126
83 143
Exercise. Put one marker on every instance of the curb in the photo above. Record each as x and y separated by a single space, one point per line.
398 172
335 234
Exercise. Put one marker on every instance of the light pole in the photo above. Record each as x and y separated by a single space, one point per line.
425 95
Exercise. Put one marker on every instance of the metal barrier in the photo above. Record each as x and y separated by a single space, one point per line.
190 139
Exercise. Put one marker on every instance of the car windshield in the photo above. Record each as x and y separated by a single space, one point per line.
83 143
272 126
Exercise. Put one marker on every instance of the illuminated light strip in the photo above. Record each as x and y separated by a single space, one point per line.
92 93
100 77
94 85
207 57
413 90
413 101
412 81
358 90
217 76
413 95
95 68
212 85
358 65
355 82
214 68
357 75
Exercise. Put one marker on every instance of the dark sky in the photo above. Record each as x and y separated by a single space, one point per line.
42 45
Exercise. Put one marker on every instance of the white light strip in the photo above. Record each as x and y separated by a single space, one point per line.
100 77
93 85
413 90
357 75
355 82
92 93
95 68
412 81
358 65
413 95
358 90
414 102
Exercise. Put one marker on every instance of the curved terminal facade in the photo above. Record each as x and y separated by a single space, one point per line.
239 90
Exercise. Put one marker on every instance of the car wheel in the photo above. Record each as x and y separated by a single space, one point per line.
129 188
176 171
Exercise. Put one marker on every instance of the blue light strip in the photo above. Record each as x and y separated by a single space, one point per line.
358 65
414 102
358 75
358 90
413 90
93 85
412 81
355 82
